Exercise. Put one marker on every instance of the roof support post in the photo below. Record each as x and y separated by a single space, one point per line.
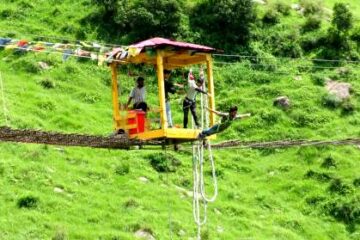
211 98
161 86
115 95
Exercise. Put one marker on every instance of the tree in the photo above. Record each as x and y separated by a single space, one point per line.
224 23
150 18
343 18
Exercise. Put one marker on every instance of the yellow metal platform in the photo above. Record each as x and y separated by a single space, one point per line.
181 134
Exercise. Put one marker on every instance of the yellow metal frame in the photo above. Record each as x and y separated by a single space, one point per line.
167 60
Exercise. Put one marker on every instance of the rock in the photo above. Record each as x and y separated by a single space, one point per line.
143 179
144 234
43 65
339 89
296 6
262 2
181 233
283 102
298 78
58 190
219 229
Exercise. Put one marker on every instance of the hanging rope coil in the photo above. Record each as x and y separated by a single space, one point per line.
198 151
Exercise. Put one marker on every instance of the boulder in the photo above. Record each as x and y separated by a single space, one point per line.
144 234
339 89
283 102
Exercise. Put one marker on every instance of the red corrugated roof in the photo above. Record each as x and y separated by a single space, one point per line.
156 42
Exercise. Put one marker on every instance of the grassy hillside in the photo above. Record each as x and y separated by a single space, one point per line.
52 192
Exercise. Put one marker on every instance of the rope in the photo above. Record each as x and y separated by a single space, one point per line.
199 192
237 144
168 185
196 198
5 110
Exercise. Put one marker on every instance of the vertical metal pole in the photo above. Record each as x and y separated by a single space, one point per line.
115 95
211 90
161 85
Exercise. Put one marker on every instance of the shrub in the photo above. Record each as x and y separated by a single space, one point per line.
328 162
342 17
47 84
28 202
164 163
271 17
60 234
224 22
312 7
283 7
26 64
331 101
131 203
322 177
270 117
347 212
318 79
356 182
348 107
337 186
312 23
122 169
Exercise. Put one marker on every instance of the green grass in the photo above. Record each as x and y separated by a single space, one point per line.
84 193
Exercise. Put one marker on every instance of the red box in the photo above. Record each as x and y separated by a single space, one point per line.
138 119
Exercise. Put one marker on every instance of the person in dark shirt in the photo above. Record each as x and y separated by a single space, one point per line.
170 87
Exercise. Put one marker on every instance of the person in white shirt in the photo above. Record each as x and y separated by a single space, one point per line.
189 102
137 95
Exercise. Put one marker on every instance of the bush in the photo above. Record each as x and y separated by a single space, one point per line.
331 101
342 17
271 17
283 7
312 23
312 7
322 177
26 64
47 84
225 23
337 186
348 107
122 169
164 163
28 202
356 182
328 162
347 212
318 79
311 42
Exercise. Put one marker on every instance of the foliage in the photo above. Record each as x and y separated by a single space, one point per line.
151 18
312 23
331 101
312 7
282 7
164 163
28 202
271 16
343 18
122 169
224 22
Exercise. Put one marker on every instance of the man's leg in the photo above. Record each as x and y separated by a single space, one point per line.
210 131
186 112
193 112
168 114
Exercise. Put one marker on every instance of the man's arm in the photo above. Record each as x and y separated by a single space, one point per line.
241 116
222 114
128 103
